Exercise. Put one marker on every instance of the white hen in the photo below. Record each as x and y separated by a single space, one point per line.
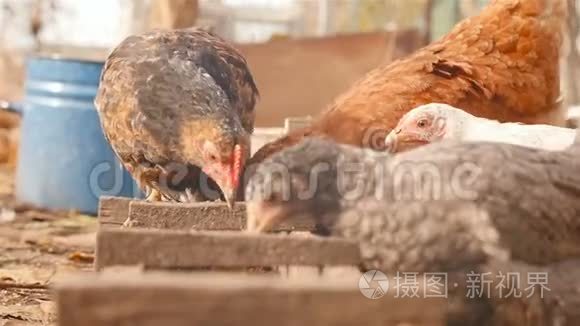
435 122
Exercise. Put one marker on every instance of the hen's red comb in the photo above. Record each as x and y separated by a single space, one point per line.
236 165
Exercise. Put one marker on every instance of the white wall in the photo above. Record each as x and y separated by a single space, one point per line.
15 24
101 23
104 23
260 18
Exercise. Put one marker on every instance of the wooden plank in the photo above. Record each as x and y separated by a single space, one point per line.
294 123
198 216
293 271
158 249
172 14
263 136
202 299
113 210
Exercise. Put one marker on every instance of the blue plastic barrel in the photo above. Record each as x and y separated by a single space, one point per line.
64 160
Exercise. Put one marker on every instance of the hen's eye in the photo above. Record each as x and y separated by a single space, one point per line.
422 123
212 157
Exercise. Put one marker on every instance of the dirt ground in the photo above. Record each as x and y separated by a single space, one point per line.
37 247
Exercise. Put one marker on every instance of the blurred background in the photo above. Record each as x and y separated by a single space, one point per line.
31 25
303 53
55 162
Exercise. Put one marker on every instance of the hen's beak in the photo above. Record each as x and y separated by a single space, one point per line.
230 197
228 175
229 188
221 173
398 141
391 142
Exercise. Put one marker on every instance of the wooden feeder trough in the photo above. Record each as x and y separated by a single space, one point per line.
207 235
115 211
213 299
129 296
182 239
170 249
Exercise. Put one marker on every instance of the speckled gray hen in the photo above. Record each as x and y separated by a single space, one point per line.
433 208
176 106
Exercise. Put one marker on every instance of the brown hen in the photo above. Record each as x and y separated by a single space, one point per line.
502 64
178 106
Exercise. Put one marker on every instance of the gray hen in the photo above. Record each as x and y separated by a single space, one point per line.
433 208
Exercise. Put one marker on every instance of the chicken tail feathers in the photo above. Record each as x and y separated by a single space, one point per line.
552 13
546 9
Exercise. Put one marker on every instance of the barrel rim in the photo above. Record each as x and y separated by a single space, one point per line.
59 57
72 54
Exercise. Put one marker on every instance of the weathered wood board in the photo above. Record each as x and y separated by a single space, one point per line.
135 297
176 299
170 249
113 212
198 216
